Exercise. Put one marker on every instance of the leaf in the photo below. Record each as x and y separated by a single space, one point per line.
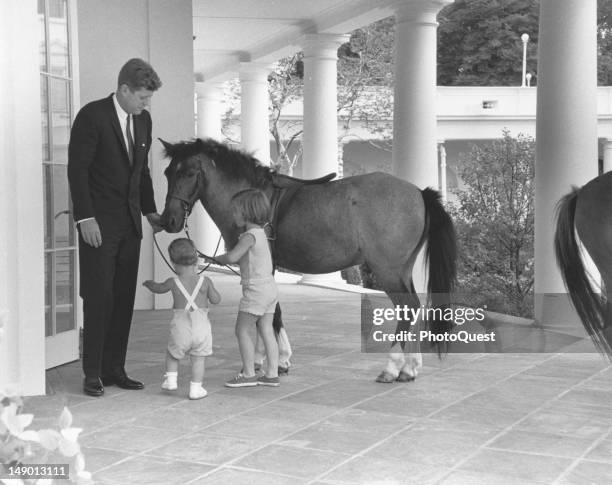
49 439
65 419
68 448
71 434
29 435
79 463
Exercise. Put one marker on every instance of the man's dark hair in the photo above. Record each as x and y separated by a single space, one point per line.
138 74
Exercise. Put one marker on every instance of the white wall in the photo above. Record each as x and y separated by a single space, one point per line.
22 349
161 32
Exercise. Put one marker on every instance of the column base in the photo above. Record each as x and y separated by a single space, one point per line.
555 310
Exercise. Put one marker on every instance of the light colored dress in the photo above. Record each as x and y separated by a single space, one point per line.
259 292
190 331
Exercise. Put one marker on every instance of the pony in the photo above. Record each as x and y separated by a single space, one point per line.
586 210
324 226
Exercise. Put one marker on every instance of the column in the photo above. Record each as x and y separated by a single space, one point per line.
414 156
254 118
566 135
442 170
320 139
209 94
607 155
414 114
22 274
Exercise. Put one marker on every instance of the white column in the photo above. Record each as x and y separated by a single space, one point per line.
415 156
254 118
320 139
607 155
442 172
22 275
414 115
566 134
203 230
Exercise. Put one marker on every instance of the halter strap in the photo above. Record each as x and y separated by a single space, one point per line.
190 298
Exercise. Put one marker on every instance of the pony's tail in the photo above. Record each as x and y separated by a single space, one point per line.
590 307
441 254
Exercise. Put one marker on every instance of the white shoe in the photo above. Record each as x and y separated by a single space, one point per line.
197 392
167 385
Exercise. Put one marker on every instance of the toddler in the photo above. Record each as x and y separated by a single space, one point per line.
190 331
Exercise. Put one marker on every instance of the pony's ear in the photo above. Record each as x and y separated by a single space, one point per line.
167 146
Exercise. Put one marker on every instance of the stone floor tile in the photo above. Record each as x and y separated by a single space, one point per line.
588 473
368 470
145 470
258 429
601 452
296 462
462 477
525 466
130 438
237 476
580 425
204 447
97 458
547 443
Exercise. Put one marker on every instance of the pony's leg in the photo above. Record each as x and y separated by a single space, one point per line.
284 351
399 368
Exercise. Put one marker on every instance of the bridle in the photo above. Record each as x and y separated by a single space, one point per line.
187 208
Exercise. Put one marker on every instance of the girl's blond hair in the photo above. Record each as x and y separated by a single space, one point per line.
253 205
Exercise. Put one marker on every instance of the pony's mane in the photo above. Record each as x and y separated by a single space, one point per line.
231 161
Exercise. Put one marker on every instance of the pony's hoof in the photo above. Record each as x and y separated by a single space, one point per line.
404 377
385 377
283 371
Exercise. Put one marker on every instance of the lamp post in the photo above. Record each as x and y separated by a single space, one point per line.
525 39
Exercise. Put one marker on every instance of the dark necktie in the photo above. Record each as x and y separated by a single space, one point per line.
130 140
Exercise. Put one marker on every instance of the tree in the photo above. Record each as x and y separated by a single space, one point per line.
479 42
495 225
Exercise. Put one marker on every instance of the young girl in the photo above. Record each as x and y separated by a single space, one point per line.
190 327
250 209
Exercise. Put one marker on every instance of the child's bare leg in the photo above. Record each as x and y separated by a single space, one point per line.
171 363
197 368
170 378
244 326
264 327
260 350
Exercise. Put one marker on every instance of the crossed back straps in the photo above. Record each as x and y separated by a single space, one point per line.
191 305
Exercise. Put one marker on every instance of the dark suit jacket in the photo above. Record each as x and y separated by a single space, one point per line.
102 182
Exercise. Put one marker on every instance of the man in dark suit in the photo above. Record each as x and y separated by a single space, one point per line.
111 186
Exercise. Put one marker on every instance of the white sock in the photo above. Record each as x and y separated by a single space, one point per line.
196 391
170 378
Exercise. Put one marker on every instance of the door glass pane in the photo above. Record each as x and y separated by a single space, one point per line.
48 295
64 290
63 229
42 45
48 191
58 38
44 107
60 118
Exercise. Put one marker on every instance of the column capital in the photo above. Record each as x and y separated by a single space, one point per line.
207 89
323 46
419 11
255 71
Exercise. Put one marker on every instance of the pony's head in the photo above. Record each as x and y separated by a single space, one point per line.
185 183
198 166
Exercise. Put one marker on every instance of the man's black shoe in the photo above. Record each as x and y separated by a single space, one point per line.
93 387
124 382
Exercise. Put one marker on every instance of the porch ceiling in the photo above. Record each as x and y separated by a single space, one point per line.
229 32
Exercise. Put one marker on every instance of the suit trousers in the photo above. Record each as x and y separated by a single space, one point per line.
108 287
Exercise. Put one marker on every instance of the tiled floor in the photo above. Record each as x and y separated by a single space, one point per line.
468 419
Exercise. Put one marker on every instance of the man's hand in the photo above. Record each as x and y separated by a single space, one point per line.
155 220
90 231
